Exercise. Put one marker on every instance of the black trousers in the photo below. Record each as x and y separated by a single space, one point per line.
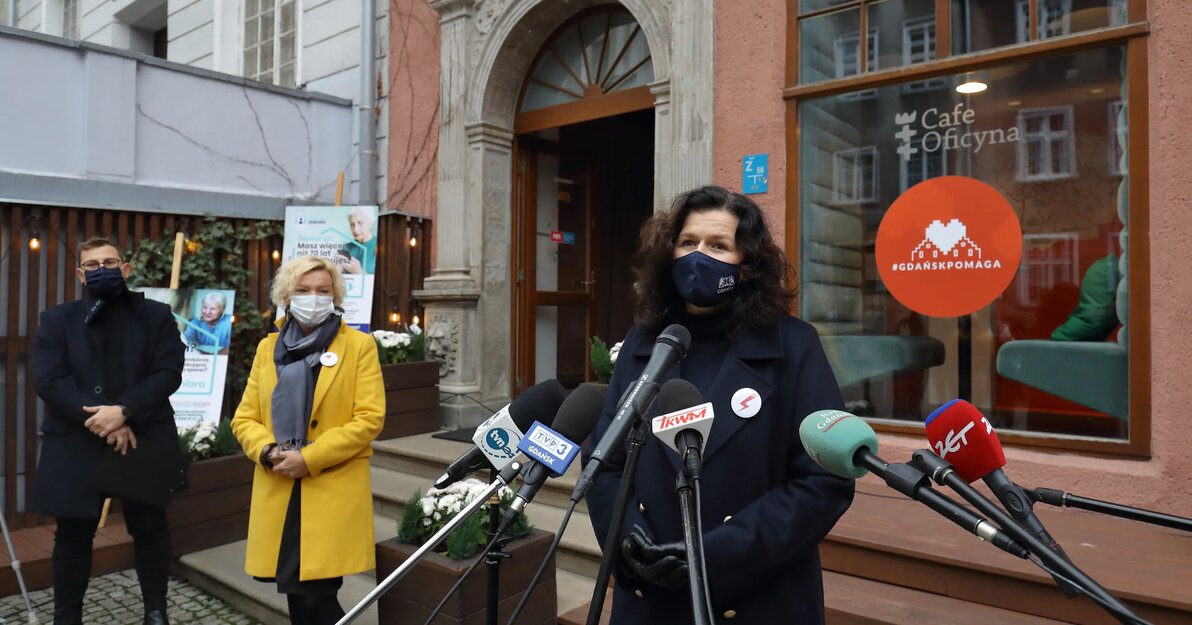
71 564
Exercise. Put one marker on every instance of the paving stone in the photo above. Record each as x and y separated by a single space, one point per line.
115 599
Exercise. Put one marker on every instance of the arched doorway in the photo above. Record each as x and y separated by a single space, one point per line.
583 182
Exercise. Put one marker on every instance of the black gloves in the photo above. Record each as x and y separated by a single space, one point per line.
664 565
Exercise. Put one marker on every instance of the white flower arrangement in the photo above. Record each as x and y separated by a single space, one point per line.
614 350
427 513
203 441
395 347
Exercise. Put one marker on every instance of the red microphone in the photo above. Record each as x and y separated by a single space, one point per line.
962 436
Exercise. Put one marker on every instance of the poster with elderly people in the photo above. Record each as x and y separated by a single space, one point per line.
348 236
204 319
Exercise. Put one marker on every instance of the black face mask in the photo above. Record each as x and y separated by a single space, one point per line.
704 281
105 282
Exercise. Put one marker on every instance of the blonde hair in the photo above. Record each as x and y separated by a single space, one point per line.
287 277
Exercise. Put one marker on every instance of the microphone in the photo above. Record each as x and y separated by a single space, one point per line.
963 437
670 347
685 424
497 438
551 450
844 444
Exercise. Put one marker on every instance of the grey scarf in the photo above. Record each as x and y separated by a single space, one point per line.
296 356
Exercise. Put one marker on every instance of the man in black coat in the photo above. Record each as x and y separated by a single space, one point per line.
105 366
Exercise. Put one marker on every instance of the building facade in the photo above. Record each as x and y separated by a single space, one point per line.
313 46
555 128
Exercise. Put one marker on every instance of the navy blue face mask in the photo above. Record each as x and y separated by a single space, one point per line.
105 282
704 281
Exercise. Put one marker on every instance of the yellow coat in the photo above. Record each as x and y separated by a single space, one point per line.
337 511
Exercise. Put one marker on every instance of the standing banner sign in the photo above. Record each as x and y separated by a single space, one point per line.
346 235
204 319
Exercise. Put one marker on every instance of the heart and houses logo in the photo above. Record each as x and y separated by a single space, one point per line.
949 246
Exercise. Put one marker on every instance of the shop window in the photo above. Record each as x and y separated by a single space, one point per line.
848 53
1115 139
855 175
1117 12
918 46
1054 19
896 365
1047 148
270 41
922 165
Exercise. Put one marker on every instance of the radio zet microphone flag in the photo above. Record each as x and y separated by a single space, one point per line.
698 418
958 429
548 447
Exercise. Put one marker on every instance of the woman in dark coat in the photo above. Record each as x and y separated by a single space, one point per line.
711 265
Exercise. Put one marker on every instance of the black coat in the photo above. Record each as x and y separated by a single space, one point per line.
763 562
68 374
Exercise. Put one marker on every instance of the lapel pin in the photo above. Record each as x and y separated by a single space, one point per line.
746 403
328 359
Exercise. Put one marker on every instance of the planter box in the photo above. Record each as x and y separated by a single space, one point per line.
412 598
214 509
411 399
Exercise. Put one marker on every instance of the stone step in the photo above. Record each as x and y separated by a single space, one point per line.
427 457
579 551
220 572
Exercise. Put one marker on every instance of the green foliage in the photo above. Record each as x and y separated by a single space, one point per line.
407 528
602 362
417 525
468 539
214 258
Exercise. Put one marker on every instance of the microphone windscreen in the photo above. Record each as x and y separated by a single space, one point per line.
578 415
676 335
677 394
537 403
832 438
961 435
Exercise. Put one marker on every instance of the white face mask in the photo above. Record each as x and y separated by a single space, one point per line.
310 310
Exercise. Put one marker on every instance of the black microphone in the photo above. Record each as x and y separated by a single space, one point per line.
670 347
685 422
551 450
540 401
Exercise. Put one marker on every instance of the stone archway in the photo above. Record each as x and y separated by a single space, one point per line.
487 47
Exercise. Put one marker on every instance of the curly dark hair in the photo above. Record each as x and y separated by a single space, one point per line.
766 292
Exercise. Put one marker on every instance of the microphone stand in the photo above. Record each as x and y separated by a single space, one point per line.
502 479
610 549
1061 499
494 556
684 488
942 473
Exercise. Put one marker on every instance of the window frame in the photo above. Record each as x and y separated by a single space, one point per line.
905 167
1112 148
277 66
1046 137
1134 36
71 18
1023 26
855 199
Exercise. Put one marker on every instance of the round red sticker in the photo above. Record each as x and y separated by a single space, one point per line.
949 246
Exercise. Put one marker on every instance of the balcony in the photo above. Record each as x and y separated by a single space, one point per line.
90 126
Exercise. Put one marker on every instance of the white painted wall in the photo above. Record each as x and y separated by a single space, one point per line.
120 118
209 34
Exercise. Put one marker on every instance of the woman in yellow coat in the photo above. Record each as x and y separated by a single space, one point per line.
313 404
